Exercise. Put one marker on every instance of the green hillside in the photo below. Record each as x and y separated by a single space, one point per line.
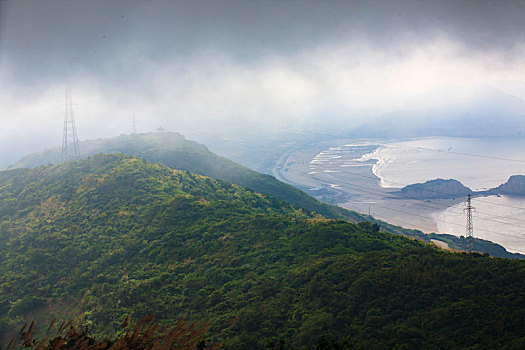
173 150
114 235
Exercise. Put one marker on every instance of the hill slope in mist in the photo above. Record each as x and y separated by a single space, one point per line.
113 234
173 150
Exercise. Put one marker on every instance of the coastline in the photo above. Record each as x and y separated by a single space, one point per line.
344 172
409 161
350 182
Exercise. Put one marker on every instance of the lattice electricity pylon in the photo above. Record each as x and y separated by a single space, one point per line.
470 227
70 147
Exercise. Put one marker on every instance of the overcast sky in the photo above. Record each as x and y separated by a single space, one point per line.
179 64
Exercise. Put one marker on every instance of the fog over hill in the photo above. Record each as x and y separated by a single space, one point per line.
164 225
175 151
189 66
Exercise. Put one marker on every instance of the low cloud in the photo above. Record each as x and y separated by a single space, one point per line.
180 65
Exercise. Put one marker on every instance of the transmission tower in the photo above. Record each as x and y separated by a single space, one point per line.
470 228
70 148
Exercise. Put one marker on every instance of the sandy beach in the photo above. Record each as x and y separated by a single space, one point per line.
345 172
338 175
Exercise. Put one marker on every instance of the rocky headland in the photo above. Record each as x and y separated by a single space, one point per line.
515 186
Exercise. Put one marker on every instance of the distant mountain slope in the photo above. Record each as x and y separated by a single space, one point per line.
488 112
173 150
113 234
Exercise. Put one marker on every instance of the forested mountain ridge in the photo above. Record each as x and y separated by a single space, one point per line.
112 235
173 150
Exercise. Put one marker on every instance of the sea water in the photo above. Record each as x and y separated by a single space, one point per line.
497 219
477 163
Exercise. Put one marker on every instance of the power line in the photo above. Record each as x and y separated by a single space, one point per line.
70 146
399 146
391 193
470 227
459 153
319 133
443 221
373 177
418 202
322 166
389 208
384 217
426 189
485 219
406 197
433 207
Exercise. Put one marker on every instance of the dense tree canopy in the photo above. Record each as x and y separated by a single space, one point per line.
114 235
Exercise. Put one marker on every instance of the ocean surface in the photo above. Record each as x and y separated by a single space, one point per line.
478 164
497 219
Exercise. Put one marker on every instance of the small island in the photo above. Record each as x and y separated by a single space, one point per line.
451 189
436 189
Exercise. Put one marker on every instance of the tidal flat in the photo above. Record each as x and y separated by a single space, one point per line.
365 175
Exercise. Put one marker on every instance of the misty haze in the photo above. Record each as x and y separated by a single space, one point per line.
262 174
